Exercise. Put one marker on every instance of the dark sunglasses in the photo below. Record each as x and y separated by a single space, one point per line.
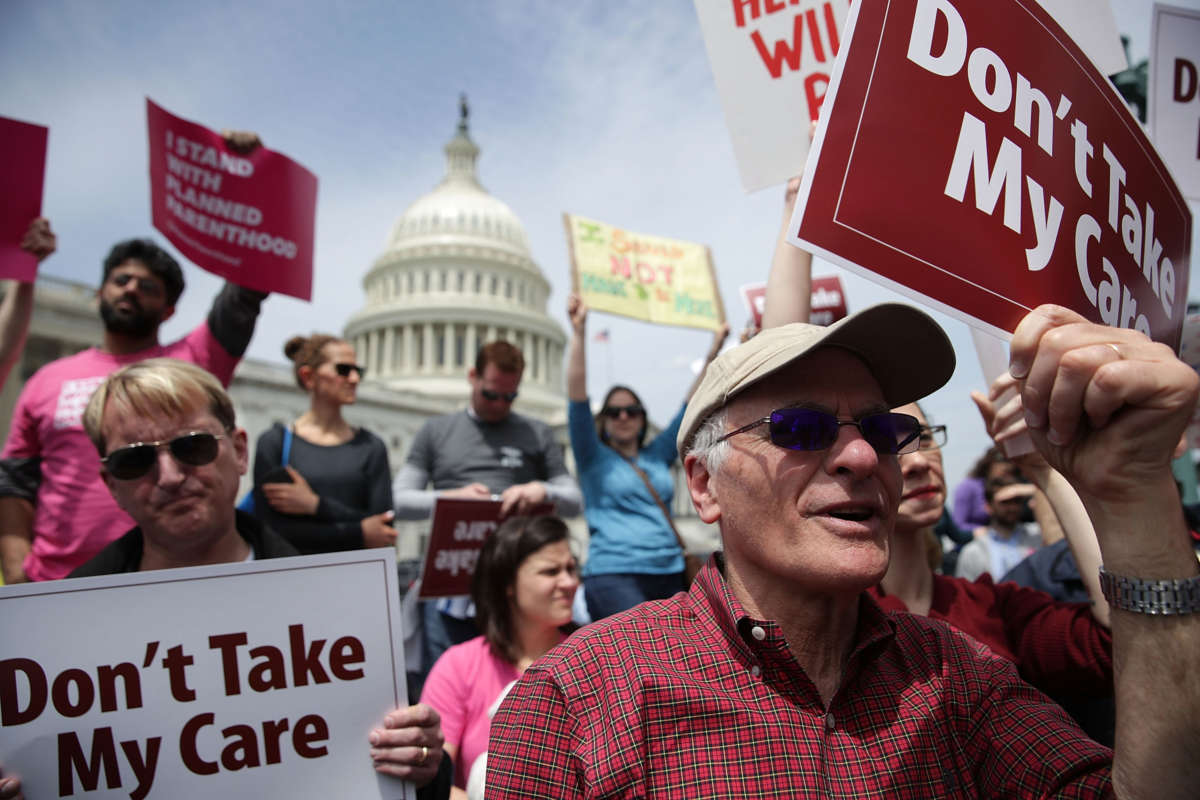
507 397
809 429
134 460
344 370
615 412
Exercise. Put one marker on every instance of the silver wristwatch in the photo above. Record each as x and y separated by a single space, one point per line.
1160 598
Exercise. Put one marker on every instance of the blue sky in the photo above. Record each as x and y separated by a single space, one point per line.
605 108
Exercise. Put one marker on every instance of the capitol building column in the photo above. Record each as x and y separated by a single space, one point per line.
472 344
427 348
389 344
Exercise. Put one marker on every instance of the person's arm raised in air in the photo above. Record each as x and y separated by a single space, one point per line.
789 283
576 356
17 307
1106 408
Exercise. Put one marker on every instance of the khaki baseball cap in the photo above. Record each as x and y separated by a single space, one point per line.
907 352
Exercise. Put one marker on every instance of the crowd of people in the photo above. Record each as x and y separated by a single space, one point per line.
853 637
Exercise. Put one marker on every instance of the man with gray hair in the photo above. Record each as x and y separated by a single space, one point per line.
776 675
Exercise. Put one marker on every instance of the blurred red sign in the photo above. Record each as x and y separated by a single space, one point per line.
828 300
23 164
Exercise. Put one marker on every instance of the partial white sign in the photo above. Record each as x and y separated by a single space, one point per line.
259 679
1174 93
771 60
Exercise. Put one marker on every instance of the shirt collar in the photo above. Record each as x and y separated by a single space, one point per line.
756 638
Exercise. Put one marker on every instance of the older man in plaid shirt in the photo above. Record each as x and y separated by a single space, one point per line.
776 676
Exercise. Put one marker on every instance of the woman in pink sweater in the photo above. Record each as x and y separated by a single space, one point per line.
524 585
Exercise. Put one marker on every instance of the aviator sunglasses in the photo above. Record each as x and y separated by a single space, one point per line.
134 460
344 369
808 429
615 412
507 397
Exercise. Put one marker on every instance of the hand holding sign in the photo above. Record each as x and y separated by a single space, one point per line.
522 498
39 241
409 745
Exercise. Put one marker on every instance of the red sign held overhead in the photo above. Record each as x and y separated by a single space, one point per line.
828 300
972 156
23 164
248 218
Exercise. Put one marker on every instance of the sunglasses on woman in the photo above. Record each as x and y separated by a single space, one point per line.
345 369
808 429
615 412
134 460
933 437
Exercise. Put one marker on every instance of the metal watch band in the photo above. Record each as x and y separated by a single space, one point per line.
1159 598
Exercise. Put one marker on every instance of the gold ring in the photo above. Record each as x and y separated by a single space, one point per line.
424 754
1116 350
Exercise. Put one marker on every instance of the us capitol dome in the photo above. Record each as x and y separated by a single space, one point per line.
455 274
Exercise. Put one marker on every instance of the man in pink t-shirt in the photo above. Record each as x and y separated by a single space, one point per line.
55 512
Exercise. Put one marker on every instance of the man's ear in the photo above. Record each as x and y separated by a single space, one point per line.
701 486
304 372
167 313
241 449
472 375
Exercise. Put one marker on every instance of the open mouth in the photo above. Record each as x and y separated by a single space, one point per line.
853 514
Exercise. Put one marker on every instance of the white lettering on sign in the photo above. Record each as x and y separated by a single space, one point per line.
455 561
993 84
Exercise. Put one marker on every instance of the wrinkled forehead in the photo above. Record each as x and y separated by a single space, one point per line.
830 379
145 419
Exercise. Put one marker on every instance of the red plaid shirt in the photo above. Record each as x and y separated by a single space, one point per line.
690 697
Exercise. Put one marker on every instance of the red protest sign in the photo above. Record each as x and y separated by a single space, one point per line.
460 528
972 156
23 164
755 297
248 218
828 300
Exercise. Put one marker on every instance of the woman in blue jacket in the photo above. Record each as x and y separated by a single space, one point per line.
634 553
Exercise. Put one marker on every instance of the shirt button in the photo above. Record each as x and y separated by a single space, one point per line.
756 670
758 633
830 722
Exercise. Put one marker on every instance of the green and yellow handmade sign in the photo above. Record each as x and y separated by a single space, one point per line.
666 281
